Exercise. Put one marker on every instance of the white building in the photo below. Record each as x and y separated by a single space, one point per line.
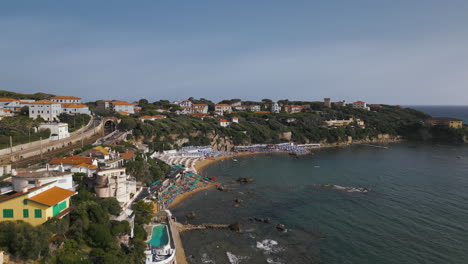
185 110
340 103
32 179
361 105
57 130
66 99
116 106
115 183
236 103
9 103
224 122
46 109
151 118
201 108
186 103
75 108
254 108
235 119
275 108
220 109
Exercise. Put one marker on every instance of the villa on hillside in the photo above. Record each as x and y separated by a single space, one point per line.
36 205
360 105
220 109
444 121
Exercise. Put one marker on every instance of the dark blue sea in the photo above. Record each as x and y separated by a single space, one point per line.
460 112
416 210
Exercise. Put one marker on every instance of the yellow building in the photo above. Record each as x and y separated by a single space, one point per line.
445 121
36 205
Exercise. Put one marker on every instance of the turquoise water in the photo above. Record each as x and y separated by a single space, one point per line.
159 238
416 211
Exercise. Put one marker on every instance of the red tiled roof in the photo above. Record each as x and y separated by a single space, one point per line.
121 103
8 100
65 97
44 102
73 105
127 155
52 196
359 102
75 160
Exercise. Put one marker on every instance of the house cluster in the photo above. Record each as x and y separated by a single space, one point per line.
346 122
121 107
35 196
444 122
358 104
49 110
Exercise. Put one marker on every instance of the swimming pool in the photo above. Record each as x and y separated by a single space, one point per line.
159 236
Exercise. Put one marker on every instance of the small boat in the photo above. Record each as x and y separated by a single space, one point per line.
234 159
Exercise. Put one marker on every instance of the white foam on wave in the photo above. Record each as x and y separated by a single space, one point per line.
233 259
272 261
206 259
269 246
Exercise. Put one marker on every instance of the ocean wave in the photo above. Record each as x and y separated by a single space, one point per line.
233 259
206 259
268 246
272 261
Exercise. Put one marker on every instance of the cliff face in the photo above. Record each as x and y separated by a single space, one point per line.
225 143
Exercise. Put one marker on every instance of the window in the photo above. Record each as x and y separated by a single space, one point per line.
37 213
25 213
25 201
7 213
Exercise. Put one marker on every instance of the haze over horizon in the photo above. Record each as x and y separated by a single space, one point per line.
391 53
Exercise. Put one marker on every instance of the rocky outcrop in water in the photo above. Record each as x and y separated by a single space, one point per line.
244 180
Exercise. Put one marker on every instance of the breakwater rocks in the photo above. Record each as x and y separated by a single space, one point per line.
244 180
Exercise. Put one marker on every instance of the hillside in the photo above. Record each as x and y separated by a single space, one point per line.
35 96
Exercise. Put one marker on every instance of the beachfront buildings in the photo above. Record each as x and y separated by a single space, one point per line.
116 183
57 130
45 109
220 109
444 121
360 105
36 205
9 103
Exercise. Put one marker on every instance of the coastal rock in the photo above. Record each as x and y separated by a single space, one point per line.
235 227
266 220
191 215
236 205
281 227
244 180
237 200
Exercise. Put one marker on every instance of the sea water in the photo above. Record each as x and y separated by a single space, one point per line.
415 212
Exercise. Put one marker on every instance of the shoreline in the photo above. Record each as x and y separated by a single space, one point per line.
181 197
200 165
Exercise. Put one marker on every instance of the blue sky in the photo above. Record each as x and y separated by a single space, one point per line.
395 52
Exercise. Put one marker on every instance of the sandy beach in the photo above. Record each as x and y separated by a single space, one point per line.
199 166
181 197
